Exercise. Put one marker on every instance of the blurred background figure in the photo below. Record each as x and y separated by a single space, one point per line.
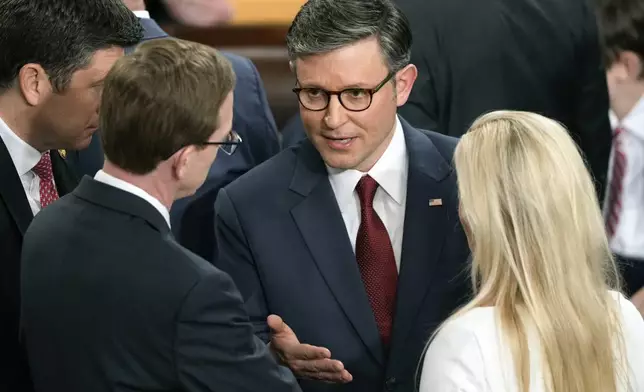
547 313
193 13
622 26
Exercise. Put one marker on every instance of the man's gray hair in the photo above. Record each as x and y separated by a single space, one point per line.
325 25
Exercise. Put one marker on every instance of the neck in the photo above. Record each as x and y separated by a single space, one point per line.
624 104
156 183
135 5
18 121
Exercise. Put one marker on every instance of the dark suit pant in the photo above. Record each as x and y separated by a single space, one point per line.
632 274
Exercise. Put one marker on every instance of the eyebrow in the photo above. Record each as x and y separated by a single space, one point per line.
362 86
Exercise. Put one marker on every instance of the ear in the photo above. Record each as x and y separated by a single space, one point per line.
181 162
34 84
405 79
632 64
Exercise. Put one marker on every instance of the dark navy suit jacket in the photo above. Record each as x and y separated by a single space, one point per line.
192 217
281 237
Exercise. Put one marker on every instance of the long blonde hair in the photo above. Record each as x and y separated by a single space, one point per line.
539 250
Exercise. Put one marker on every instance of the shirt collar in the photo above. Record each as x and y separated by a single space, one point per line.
24 156
135 190
390 172
142 14
634 120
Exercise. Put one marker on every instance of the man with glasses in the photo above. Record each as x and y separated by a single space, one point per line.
110 301
348 248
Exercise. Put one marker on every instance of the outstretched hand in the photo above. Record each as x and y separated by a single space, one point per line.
304 360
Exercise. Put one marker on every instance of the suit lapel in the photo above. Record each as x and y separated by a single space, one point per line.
12 191
322 227
64 176
424 228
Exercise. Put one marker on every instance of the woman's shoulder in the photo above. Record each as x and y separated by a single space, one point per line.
455 358
466 332
630 315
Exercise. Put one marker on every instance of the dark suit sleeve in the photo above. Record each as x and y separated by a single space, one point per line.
215 346
235 258
591 113
266 141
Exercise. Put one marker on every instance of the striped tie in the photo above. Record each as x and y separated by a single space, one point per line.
616 183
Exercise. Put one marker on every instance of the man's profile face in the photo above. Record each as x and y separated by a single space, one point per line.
69 118
346 139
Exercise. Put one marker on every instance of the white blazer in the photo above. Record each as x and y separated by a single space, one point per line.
467 356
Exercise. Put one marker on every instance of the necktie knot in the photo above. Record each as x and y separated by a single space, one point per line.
366 189
43 168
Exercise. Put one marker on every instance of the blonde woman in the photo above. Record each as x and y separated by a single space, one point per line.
546 316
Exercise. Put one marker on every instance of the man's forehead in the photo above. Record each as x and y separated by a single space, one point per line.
344 66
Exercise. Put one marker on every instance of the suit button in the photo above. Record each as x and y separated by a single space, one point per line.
390 384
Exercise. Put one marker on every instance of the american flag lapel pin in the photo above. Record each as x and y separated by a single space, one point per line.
435 202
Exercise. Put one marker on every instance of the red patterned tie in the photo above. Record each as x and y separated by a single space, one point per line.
616 183
43 170
376 260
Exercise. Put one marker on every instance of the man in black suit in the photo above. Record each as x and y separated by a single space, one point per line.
55 55
352 237
252 119
541 56
475 56
110 302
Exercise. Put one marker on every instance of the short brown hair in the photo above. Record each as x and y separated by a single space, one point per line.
621 25
164 96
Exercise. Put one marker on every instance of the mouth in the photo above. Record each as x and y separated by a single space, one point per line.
339 143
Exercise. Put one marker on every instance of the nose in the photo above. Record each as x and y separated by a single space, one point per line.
336 114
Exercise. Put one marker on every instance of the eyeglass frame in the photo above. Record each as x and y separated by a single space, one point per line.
234 144
370 91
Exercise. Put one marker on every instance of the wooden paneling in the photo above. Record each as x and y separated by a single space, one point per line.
265 12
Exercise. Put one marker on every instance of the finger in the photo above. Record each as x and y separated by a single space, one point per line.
275 323
333 377
317 366
307 352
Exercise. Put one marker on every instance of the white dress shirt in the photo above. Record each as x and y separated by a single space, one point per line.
390 172
628 239
135 190
468 354
142 14
24 158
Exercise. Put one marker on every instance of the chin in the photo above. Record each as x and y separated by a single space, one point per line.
82 143
340 161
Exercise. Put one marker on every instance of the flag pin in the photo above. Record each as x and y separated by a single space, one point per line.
435 202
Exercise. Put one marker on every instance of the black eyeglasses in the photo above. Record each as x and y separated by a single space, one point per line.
352 99
229 146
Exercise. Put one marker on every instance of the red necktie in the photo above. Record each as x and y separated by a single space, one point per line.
376 260
616 183
43 170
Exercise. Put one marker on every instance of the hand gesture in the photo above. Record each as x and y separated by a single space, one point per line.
306 361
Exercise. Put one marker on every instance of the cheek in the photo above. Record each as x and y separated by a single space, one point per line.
313 121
